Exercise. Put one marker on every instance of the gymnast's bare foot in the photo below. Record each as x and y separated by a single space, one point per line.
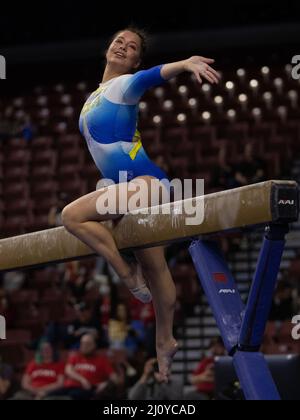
165 357
137 284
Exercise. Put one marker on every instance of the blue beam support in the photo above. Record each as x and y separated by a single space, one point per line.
242 327
263 286
255 377
220 290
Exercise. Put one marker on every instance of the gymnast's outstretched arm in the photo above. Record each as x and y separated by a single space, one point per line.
136 85
199 66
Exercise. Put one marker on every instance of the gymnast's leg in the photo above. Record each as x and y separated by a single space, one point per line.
156 272
81 218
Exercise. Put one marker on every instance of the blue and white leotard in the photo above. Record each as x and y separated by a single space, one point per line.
109 124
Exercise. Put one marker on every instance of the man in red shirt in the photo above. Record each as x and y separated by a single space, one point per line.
87 374
204 376
43 376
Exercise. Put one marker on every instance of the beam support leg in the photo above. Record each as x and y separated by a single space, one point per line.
242 328
220 289
263 286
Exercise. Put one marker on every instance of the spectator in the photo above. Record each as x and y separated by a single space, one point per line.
6 380
150 388
204 377
84 323
283 304
101 315
88 375
76 281
127 377
118 327
104 308
42 376
135 338
125 333
143 317
250 170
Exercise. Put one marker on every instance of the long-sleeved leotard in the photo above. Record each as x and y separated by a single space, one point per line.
109 124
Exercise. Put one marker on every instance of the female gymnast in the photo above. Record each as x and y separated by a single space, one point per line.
109 124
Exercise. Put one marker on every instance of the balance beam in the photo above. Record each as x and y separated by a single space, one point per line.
267 202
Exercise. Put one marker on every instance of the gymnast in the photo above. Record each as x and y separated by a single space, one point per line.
109 124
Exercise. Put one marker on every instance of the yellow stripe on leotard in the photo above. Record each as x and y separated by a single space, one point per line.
138 145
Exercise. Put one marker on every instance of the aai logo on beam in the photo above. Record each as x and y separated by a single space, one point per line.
2 67
2 328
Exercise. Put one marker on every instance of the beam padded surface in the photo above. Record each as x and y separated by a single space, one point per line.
233 209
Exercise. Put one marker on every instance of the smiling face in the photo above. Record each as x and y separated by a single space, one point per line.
124 53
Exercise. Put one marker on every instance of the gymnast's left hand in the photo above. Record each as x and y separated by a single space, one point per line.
201 67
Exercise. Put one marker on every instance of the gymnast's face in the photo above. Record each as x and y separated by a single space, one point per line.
124 53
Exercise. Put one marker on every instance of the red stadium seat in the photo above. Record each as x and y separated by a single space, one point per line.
44 157
17 157
41 189
70 141
16 144
19 336
74 187
25 296
42 143
16 172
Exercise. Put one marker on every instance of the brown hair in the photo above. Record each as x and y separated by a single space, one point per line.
142 33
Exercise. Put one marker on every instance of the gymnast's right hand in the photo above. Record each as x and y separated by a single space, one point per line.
200 67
